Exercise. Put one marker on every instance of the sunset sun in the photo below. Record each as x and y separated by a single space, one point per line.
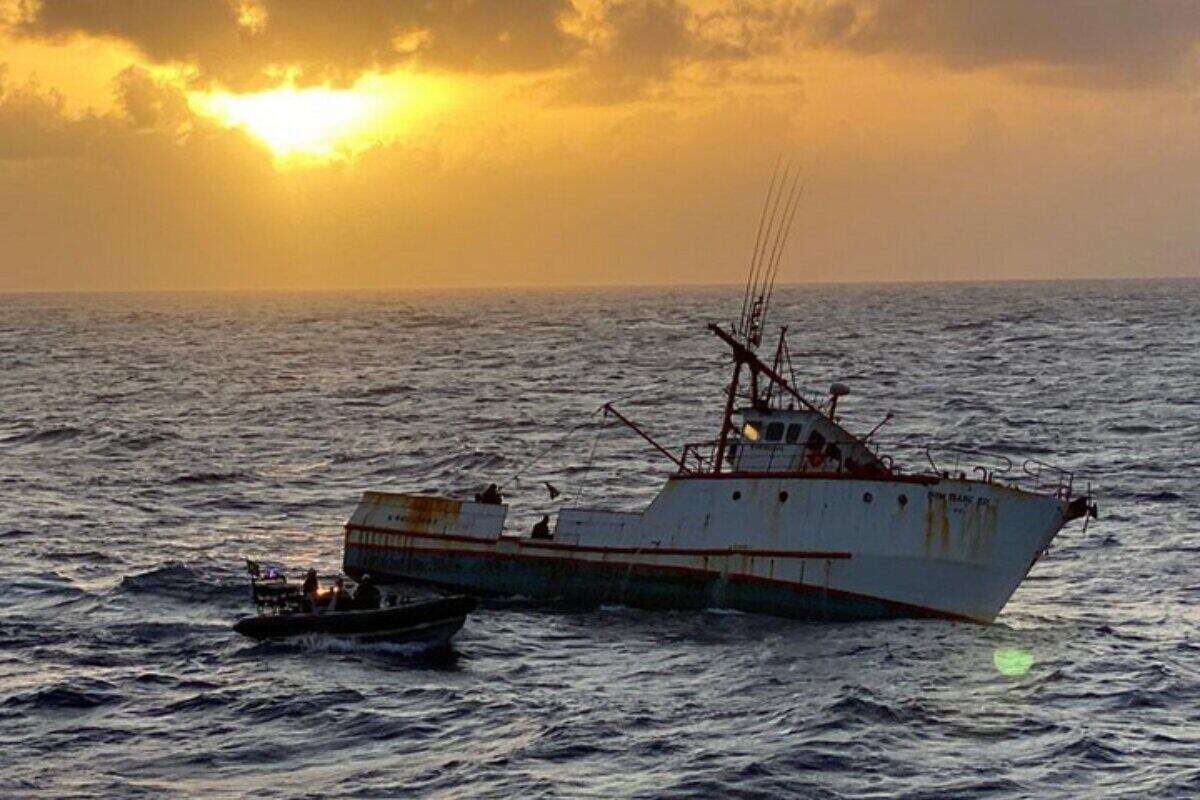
316 123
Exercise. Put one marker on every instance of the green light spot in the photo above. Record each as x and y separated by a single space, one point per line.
1012 662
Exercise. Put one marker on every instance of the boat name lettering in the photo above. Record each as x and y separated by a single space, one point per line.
951 497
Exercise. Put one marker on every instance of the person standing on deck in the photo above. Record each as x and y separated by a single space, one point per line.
366 596
541 529
311 588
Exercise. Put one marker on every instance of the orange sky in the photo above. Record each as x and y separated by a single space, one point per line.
309 144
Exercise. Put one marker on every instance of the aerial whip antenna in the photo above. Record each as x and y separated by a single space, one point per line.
751 327
757 240
798 190
783 199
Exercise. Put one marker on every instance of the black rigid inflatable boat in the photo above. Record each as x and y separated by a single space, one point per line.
286 609
431 623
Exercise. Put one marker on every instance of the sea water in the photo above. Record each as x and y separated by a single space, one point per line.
150 443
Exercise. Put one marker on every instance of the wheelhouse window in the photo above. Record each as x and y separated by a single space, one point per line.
774 431
750 430
793 433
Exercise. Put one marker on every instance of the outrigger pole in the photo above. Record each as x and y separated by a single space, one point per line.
608 409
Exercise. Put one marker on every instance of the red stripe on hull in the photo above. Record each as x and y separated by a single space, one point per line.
924 480
577 548
907 609
448 537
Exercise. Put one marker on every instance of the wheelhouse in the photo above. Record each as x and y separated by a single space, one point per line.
793 440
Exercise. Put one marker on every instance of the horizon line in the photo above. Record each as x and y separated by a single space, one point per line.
465 287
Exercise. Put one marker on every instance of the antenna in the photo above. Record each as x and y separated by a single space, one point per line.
769 245
758 239
798 189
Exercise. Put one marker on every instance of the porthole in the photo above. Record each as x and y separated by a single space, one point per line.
737 495
867 497
783 497
903 500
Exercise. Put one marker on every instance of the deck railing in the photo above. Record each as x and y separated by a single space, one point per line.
944 461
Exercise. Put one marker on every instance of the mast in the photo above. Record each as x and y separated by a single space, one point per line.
782 200
742 355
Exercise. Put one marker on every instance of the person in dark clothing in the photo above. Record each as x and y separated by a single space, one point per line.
311 584
541 530
309 592
341 600
491 495
366 596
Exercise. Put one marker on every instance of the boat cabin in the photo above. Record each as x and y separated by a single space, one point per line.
794 440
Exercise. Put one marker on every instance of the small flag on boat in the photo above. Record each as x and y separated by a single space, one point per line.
553 491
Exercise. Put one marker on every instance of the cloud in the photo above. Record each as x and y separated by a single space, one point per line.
247 44
608 51
1128 43
148 103
33 125
635 47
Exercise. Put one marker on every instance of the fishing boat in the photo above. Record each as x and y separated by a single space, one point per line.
285 611
785 512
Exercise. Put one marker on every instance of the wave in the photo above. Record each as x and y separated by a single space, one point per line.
48 436
89 693
1134 429
1158 497
135 443
178 582
385 390
967 326
208 477
332 644
862 710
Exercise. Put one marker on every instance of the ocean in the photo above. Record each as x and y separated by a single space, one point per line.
149 443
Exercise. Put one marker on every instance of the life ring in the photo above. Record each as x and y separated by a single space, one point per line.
815 458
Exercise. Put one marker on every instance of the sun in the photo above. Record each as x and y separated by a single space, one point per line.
316 123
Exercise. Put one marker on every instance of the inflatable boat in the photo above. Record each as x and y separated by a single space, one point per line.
286 609
430 623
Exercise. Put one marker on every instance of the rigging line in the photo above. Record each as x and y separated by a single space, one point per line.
787 234
554 443
767 234
757 291
780 235
754 256
758 237
583 487
786 237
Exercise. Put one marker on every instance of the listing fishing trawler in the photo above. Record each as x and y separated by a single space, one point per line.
786 512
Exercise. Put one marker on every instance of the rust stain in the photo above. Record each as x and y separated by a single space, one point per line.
425 514
937 522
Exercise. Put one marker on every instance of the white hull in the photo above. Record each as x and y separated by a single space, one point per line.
809 546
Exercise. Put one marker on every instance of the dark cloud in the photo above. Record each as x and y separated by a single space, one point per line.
244 44
637 45
1113 42
33 125
622 49
148 103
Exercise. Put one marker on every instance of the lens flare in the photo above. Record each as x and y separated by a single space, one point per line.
1012 662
